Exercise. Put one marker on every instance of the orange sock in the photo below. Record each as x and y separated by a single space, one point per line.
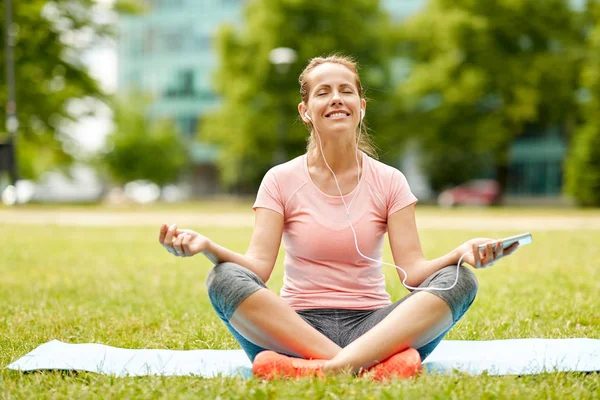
270 365
405 364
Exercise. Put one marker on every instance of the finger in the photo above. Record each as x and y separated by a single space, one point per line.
185 244
511 249
169 235
162 233
177 245
178 232
499 250
476 256
489 253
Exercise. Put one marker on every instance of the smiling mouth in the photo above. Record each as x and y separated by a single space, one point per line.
338 115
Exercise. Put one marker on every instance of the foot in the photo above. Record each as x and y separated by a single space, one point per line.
270 365
405 364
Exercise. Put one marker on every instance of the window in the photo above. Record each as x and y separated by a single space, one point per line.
187 124
182 85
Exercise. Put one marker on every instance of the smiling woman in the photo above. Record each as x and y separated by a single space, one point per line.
332 207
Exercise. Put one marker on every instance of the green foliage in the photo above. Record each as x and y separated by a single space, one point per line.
259 108
141 148
51 38
481 71
582 167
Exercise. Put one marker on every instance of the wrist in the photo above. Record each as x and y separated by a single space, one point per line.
456 254
210 251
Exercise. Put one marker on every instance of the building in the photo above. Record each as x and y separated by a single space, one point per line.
168 52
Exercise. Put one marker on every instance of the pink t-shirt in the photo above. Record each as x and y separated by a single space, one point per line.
322 267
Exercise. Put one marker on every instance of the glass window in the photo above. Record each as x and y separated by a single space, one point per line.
181 85
187 124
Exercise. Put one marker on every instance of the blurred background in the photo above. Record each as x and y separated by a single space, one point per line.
138 101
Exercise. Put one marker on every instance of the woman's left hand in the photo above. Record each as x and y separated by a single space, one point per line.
487 257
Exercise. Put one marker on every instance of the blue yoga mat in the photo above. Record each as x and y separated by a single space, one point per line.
495 357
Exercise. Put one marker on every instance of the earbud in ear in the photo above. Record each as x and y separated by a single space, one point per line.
362 113
308 117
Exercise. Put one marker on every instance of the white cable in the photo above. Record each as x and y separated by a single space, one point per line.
347 207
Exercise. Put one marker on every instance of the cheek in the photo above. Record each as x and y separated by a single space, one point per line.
318 106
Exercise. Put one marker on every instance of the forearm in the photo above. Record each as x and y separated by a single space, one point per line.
218 254
423 268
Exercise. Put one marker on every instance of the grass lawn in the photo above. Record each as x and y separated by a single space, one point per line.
117 286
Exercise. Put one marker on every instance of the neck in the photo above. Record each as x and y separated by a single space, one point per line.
341 155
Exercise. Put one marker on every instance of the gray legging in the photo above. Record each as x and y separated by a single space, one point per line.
229 284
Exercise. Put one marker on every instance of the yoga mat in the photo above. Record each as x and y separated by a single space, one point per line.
495 357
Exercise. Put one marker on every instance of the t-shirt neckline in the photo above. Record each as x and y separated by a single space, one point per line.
312 183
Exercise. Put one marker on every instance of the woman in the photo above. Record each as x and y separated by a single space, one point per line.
332 207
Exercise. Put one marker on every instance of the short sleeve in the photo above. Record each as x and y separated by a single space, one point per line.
269 194
400 195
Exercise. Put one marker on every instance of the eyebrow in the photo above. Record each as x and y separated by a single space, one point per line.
326 86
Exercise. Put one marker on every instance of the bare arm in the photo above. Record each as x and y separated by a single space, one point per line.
408 255
259 258
406 248
264 245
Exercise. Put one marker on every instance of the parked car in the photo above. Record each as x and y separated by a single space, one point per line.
478 192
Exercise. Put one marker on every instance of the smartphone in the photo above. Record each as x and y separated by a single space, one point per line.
522 239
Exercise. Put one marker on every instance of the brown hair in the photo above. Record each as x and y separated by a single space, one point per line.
365 143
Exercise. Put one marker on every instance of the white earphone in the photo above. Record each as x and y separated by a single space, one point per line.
362 115
347 208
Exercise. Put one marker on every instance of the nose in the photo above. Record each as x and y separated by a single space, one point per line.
336 98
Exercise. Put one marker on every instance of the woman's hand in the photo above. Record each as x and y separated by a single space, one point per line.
182 242
487 257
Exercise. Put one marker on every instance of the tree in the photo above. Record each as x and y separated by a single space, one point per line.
50 76
582 166
143 148
481 72
258 101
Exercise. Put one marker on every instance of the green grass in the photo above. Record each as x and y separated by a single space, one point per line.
117 286
240 205
215 204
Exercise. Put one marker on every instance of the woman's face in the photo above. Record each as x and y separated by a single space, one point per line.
334 103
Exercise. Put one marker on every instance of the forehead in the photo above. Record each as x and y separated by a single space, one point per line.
331 74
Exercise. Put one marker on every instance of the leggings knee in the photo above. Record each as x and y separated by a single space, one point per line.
228 284
468 282
462 295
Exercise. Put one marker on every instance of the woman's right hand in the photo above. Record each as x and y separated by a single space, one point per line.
182 242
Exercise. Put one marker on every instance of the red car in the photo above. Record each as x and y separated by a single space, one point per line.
479 192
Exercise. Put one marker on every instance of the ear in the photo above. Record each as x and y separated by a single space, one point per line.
302 110
363 105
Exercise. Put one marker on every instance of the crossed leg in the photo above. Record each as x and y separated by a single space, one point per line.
260 320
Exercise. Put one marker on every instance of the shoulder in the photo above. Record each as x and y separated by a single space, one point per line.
286 178
384 174
288 171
